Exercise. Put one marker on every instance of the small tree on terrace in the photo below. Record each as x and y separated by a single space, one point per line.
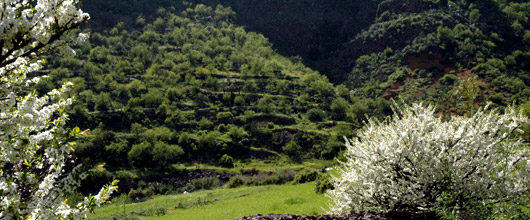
418 162
37 171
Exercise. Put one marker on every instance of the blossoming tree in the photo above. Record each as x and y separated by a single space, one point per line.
418 161
37 171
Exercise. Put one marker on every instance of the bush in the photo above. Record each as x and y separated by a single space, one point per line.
305 176
323 183
224 117
266 104
278 177
449 79
165 155
237 133
205 124
339 108
203 183
417 161
239 101
292 149
140 194
316 115
497 98
209 140
152 211
226 161
158 134
119 216
140 155
235 181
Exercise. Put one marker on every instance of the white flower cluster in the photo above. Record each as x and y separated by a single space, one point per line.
419 161
35 147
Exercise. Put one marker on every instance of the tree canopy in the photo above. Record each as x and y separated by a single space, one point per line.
37 171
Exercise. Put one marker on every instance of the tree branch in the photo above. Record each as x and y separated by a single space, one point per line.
39 46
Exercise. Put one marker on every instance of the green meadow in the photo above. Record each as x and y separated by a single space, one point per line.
221 203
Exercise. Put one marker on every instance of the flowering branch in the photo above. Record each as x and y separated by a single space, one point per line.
37 172
418 161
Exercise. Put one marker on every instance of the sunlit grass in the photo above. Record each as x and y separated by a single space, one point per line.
229 203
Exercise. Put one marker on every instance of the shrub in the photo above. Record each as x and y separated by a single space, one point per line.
237 133
270 125
159 133
239 101
221 127
203 183
316 115
227 99
305 176
416 160
339 108
323 183
292 149
266 104
224 117
130 216
165 155
205 124
497 98
140 194
449 79
152 211
278 177
248 115
235 181
226 161
207 141
140 155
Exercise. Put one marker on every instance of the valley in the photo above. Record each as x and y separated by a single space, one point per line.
210 109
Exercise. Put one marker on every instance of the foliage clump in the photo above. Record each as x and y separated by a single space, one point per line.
418 161
292 149
226 161
323 183
304 176
37 168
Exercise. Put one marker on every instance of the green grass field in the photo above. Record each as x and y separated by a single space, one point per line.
228 203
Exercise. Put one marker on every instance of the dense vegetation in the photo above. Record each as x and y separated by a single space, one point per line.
455 54
194 87
311 29
163 82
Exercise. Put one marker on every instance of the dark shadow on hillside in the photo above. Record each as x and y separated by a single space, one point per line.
311 29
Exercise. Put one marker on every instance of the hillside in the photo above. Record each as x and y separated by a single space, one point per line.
207 109
160 84
455 54
183 96
312 30
409 50
194 87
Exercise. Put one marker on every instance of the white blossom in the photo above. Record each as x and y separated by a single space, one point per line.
34 149
420 161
